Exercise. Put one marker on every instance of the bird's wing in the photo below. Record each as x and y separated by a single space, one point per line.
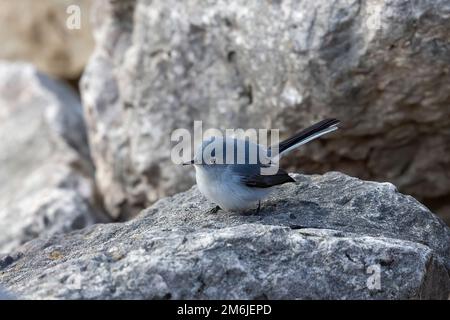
256 180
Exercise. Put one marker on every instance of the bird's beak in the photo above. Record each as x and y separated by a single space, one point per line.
188 163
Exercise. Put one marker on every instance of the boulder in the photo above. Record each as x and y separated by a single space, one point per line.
41 32
5 295
45 167
381 67
323 237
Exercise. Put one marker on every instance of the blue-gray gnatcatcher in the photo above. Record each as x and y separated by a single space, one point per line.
229 176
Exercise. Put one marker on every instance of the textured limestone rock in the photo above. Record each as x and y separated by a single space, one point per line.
45 170
382 67
36 31
329 236
5 295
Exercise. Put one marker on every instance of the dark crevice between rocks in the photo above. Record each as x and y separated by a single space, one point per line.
431 280
297 227
74 83
439 205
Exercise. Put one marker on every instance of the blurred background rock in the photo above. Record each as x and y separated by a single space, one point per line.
382 67
35 31
45 166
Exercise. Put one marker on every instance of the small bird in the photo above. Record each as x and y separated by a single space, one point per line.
239 184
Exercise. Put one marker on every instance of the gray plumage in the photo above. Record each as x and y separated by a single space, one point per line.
229 171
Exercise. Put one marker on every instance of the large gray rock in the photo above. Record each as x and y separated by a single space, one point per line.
325 237
382 67
45 172
5 295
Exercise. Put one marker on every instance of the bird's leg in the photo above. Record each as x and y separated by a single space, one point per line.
258 210
214 210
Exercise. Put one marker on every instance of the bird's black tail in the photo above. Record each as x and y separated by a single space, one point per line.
307 135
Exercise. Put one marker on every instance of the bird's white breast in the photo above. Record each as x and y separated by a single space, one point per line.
227 190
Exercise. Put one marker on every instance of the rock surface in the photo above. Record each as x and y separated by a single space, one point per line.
324 237
382 67
45 170
36 31
5 295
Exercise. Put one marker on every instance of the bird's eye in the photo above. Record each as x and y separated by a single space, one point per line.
213 160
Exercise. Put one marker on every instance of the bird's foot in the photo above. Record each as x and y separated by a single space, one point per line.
258 210
214 210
